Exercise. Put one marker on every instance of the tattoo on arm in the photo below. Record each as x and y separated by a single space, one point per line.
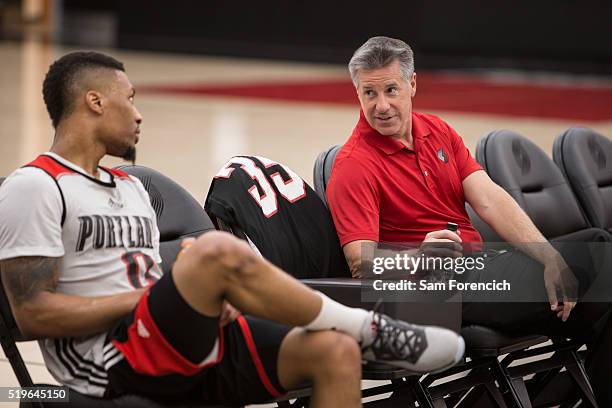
24 277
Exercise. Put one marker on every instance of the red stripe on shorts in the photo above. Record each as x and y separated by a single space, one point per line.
263 377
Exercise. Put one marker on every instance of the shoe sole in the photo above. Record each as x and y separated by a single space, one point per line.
458 357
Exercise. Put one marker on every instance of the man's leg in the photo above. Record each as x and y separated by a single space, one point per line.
264 359
329 360
218 266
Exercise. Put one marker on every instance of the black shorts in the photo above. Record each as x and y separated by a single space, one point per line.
166 351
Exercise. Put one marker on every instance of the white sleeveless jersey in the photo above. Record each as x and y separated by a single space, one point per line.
105 232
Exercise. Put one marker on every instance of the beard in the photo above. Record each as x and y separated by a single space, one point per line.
130 155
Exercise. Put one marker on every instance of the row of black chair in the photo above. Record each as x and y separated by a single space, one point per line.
555 195
577 184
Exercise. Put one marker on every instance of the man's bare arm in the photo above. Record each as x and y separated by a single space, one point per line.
498 209
352 253
26 276
41 312
439 240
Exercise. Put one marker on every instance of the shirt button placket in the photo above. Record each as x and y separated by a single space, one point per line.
428 180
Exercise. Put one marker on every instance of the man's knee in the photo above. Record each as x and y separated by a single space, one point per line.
224 254
339 355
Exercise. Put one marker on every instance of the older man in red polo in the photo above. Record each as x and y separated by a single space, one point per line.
402 176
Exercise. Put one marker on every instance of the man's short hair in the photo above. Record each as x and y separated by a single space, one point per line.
63 79
378 52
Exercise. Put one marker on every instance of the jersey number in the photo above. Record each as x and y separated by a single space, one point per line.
292 190
142 271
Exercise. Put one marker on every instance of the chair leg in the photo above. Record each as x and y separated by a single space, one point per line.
515 388
541 380
400 398
469 398
521 391
406 393
422 396
14 357
495 394
476 389
576 369
439 403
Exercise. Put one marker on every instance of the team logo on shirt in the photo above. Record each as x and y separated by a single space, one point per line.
442 156
116 231
114 203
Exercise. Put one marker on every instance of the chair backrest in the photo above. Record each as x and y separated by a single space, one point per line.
585 158
322 170
533 180
179 215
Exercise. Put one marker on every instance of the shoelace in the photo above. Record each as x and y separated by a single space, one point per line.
403 342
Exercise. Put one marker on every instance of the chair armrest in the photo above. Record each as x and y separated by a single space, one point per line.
593 234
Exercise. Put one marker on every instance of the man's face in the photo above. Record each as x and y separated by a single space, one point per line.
386 99
121 118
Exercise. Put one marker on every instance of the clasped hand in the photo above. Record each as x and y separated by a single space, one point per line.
561 286
443 244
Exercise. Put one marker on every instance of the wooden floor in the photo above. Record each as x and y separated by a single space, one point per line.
188 136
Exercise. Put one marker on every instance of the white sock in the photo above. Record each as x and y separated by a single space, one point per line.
355 322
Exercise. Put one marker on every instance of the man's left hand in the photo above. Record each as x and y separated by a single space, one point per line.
561 285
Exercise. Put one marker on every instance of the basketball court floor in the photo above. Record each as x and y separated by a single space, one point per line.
200 111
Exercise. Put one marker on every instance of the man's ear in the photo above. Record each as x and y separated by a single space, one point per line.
94 101
413 84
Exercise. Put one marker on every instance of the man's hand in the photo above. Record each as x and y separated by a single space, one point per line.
228 313
561 285
443 244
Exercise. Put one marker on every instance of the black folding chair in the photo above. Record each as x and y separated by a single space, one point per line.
521 168
585 159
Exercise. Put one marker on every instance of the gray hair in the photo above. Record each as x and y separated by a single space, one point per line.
378 52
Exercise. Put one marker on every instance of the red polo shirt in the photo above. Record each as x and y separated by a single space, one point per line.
380 190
